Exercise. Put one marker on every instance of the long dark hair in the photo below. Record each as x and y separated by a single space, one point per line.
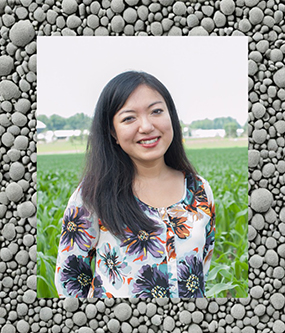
109 172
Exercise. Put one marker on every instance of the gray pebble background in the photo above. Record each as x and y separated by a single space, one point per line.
263 22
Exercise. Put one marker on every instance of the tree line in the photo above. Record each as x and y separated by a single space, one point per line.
82 121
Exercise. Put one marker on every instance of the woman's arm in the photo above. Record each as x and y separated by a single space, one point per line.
79 236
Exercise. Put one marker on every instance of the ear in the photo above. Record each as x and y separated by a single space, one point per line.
113 133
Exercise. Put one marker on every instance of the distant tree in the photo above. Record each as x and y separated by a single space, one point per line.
57 122
44 119
217 123
231 129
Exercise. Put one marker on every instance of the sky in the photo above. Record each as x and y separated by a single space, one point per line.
207 77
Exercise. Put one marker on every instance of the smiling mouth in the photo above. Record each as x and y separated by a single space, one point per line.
147 142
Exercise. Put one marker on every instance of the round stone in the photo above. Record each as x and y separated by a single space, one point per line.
271 258
194 328
29 296
280 125
23 105
238 311
22 257
278 301
253 158
282 214
8 328
227 7
46 313
219 19
198 31
85 330
168 324
19 119
259 136
26 209
9 90
281 250
6 254
261 200
117 6
23 326
14 192
156 28
6 65
123 311
79 318
258 110
179 8
117 23
71 304
268 170
113 325
185 317
22 33
9 231
7 139
279 77
130 15
69 6
21 142
256 15
256 292
17 171
256 261
280 166
278 326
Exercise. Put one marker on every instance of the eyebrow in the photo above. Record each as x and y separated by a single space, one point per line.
150 105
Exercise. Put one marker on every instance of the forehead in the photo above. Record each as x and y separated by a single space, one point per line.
144 94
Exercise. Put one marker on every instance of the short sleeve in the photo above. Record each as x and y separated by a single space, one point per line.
210 230
78 239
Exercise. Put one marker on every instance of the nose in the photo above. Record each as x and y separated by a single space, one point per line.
146 126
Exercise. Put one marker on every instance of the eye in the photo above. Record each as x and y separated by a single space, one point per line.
157 111
128 119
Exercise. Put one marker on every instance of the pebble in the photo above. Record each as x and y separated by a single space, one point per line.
22 33
168 324
117 23
194 328
6 65
29 296
46 313
278 301
179 8
113 325
123 311
69 6
261 200
9 90
26 209
71 304
79 318
9 231
227 7
14 192
263 23
117 6
130 15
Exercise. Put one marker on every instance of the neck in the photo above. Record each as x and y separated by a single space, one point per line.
153 170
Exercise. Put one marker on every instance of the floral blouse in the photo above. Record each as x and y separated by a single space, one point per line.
173 261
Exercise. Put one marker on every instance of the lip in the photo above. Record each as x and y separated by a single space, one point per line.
149 145
149 138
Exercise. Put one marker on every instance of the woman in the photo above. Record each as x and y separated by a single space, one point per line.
141 211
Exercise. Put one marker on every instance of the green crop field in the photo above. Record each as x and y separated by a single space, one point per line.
224 168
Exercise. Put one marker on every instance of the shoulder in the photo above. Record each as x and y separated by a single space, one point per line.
197 184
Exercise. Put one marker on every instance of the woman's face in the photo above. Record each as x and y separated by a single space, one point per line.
143 126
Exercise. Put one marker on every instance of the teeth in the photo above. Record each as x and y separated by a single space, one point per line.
147 142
